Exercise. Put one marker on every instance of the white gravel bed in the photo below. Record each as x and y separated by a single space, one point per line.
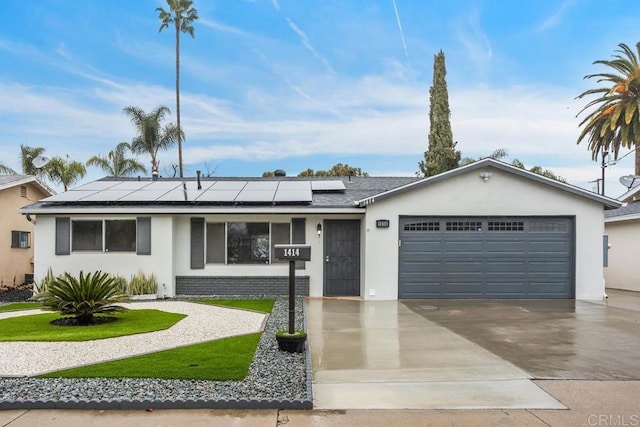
203 323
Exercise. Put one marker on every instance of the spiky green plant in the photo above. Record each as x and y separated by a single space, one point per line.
43 284
120 283
83 296
143 284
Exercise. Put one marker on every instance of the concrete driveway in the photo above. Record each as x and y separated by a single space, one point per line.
461 354
549 339
382 355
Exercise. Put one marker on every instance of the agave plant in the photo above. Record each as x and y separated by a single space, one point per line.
83 296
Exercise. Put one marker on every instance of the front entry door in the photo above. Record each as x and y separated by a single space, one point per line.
342 257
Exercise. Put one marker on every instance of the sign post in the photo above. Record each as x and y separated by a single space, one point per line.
292 253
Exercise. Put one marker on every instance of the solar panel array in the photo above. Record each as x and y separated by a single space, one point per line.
187 191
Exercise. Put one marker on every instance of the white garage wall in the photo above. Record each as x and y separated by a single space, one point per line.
623 271
159 262
504 194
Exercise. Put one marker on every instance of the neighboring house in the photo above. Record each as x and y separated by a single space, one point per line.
16 232
622 226
485 230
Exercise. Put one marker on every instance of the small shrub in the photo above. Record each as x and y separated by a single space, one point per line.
143 284
83 296
120 283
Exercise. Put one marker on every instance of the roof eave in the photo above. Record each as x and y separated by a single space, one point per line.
606 201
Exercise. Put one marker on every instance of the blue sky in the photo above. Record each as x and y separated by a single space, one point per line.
293 84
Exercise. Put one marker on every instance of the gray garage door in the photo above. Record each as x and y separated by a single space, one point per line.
486 257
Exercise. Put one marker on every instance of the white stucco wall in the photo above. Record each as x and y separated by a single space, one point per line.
623 271
313 268
159 262
468 195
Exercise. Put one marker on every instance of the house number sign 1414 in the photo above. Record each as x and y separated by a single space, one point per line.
293 252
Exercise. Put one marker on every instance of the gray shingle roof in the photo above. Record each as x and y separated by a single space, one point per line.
630 209
356 188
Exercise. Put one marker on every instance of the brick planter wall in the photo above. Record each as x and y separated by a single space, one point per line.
239 285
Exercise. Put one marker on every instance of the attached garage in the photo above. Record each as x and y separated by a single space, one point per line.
486 257
485 230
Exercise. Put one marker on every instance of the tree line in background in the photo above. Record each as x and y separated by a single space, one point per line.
151 137
338 169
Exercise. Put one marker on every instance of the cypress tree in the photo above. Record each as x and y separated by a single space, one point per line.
441 154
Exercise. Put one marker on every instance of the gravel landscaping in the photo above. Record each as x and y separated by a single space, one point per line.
276 379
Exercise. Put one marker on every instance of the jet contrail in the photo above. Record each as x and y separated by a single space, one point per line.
404 44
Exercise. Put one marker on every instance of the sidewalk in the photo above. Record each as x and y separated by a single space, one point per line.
590 403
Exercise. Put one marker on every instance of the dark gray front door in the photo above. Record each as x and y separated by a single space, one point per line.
486 257
342 257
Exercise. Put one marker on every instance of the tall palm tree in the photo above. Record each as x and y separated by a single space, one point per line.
615 120
117 163
27 154
6 170
65 171
152 136
181 15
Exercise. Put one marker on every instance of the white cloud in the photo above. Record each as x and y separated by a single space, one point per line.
307 44
556 17
470 34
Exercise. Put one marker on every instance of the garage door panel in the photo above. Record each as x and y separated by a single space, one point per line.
462 267
422 247
505 246
549 247
549 266
487 258
462 247
506 288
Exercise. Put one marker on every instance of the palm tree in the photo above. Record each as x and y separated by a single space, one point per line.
117 163
6 170
181 14
65 172
27 154
615 121
152 137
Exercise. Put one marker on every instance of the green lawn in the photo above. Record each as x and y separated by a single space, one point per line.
220 360
261 305
37 327
17 306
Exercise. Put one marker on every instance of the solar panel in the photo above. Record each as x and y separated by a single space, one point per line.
328 185
69 196
229 185
294 185
193 185
179 195
218 196
255 196
261 185
164 185
142 196
131 185
105 196
294 196
96 186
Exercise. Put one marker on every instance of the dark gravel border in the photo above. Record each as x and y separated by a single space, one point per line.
276 380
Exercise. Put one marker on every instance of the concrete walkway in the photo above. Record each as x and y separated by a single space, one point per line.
381 355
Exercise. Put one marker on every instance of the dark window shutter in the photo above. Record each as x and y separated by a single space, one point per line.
143 237
298 236
197 243
63 228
